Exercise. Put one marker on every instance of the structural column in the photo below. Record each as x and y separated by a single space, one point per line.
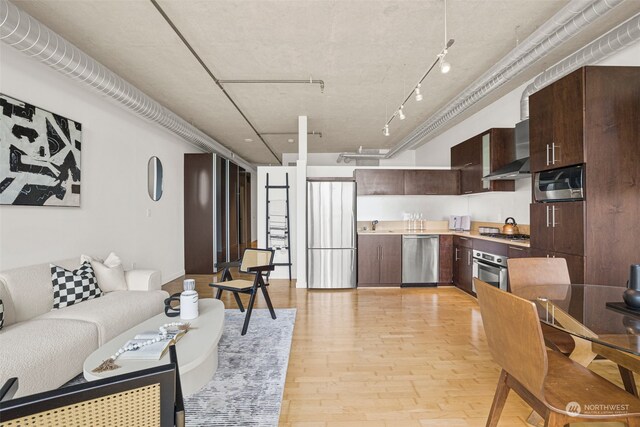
301 205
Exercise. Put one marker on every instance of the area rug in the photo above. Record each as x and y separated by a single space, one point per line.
247 388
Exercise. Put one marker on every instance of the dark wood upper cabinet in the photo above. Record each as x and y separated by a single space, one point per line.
431 182
590 117
379 181
557 123
480 155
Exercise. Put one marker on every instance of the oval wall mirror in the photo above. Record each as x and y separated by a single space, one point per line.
154 178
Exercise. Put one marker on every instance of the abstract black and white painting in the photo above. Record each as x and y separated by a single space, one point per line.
39 156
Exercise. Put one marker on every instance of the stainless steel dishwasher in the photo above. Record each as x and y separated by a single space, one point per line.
420 256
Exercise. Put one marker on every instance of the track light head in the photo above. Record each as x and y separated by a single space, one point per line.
418 94
445 67
401 115
385 131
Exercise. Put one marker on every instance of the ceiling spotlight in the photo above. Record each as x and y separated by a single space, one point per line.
385 131
401 115
418 94
290 140
248 140
445 67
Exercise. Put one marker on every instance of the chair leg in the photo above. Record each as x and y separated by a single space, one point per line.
556 420
218 293
628 380
265 293
239 302
499 399
248 315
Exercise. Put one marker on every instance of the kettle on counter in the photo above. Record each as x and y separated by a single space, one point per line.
510 227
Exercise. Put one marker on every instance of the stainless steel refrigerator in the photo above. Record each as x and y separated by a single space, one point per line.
331 234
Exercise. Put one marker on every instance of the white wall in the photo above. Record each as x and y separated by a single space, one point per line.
116 147
277 176
505 112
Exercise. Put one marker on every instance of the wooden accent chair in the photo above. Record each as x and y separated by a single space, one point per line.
259 263
146 398
552 274
548 381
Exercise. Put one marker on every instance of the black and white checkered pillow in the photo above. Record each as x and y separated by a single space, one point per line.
1 314
71 287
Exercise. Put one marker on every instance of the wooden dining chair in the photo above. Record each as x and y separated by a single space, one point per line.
257 262
527 276
559 389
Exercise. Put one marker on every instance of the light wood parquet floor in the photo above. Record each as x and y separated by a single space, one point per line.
387 357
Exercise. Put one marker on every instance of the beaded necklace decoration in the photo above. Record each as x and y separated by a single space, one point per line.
109 364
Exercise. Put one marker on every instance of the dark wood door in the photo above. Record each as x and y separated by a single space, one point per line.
445 259
234 227
567 221
456 265
390 260
380 182
540 128
423 182
501 153
368 260
567 146
198 214
541 230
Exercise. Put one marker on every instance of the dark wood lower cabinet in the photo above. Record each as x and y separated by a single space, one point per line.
462 267
575 263
445 260
379 260
518 252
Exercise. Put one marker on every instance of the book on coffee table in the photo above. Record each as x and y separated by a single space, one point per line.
153 351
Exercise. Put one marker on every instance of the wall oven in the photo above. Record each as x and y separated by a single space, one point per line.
490 268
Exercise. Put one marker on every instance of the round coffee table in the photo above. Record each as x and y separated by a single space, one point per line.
197 350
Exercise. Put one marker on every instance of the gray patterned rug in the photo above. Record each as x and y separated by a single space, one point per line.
247 388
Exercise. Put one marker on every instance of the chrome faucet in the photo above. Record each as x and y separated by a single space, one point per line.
373 225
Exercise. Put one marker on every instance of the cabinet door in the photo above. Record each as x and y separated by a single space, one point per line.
501 152
368 260
541 230
567 146
567 221
518 252
456 265
575 264
391 260
379 182
421 182
540 129
466 269
446 259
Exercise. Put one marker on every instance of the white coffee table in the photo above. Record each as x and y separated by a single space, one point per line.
197 350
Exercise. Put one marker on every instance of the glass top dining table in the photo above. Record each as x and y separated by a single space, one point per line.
593 312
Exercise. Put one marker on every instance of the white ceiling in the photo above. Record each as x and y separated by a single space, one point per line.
369 53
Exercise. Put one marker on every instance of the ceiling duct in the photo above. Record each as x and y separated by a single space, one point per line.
26 34
620 37
569 21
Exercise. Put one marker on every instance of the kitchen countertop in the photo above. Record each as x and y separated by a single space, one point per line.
472 234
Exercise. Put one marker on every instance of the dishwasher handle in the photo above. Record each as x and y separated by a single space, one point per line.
424 236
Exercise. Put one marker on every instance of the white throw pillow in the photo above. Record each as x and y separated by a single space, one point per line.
110 273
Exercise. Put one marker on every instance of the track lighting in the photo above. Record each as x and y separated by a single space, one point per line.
385 131
418 94
401 115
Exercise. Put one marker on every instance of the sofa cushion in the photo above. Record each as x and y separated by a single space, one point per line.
27 291
44 354
73 286
115 312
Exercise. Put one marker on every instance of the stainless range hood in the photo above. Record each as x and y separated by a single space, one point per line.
519 168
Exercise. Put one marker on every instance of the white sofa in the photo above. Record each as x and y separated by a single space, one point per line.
45 348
